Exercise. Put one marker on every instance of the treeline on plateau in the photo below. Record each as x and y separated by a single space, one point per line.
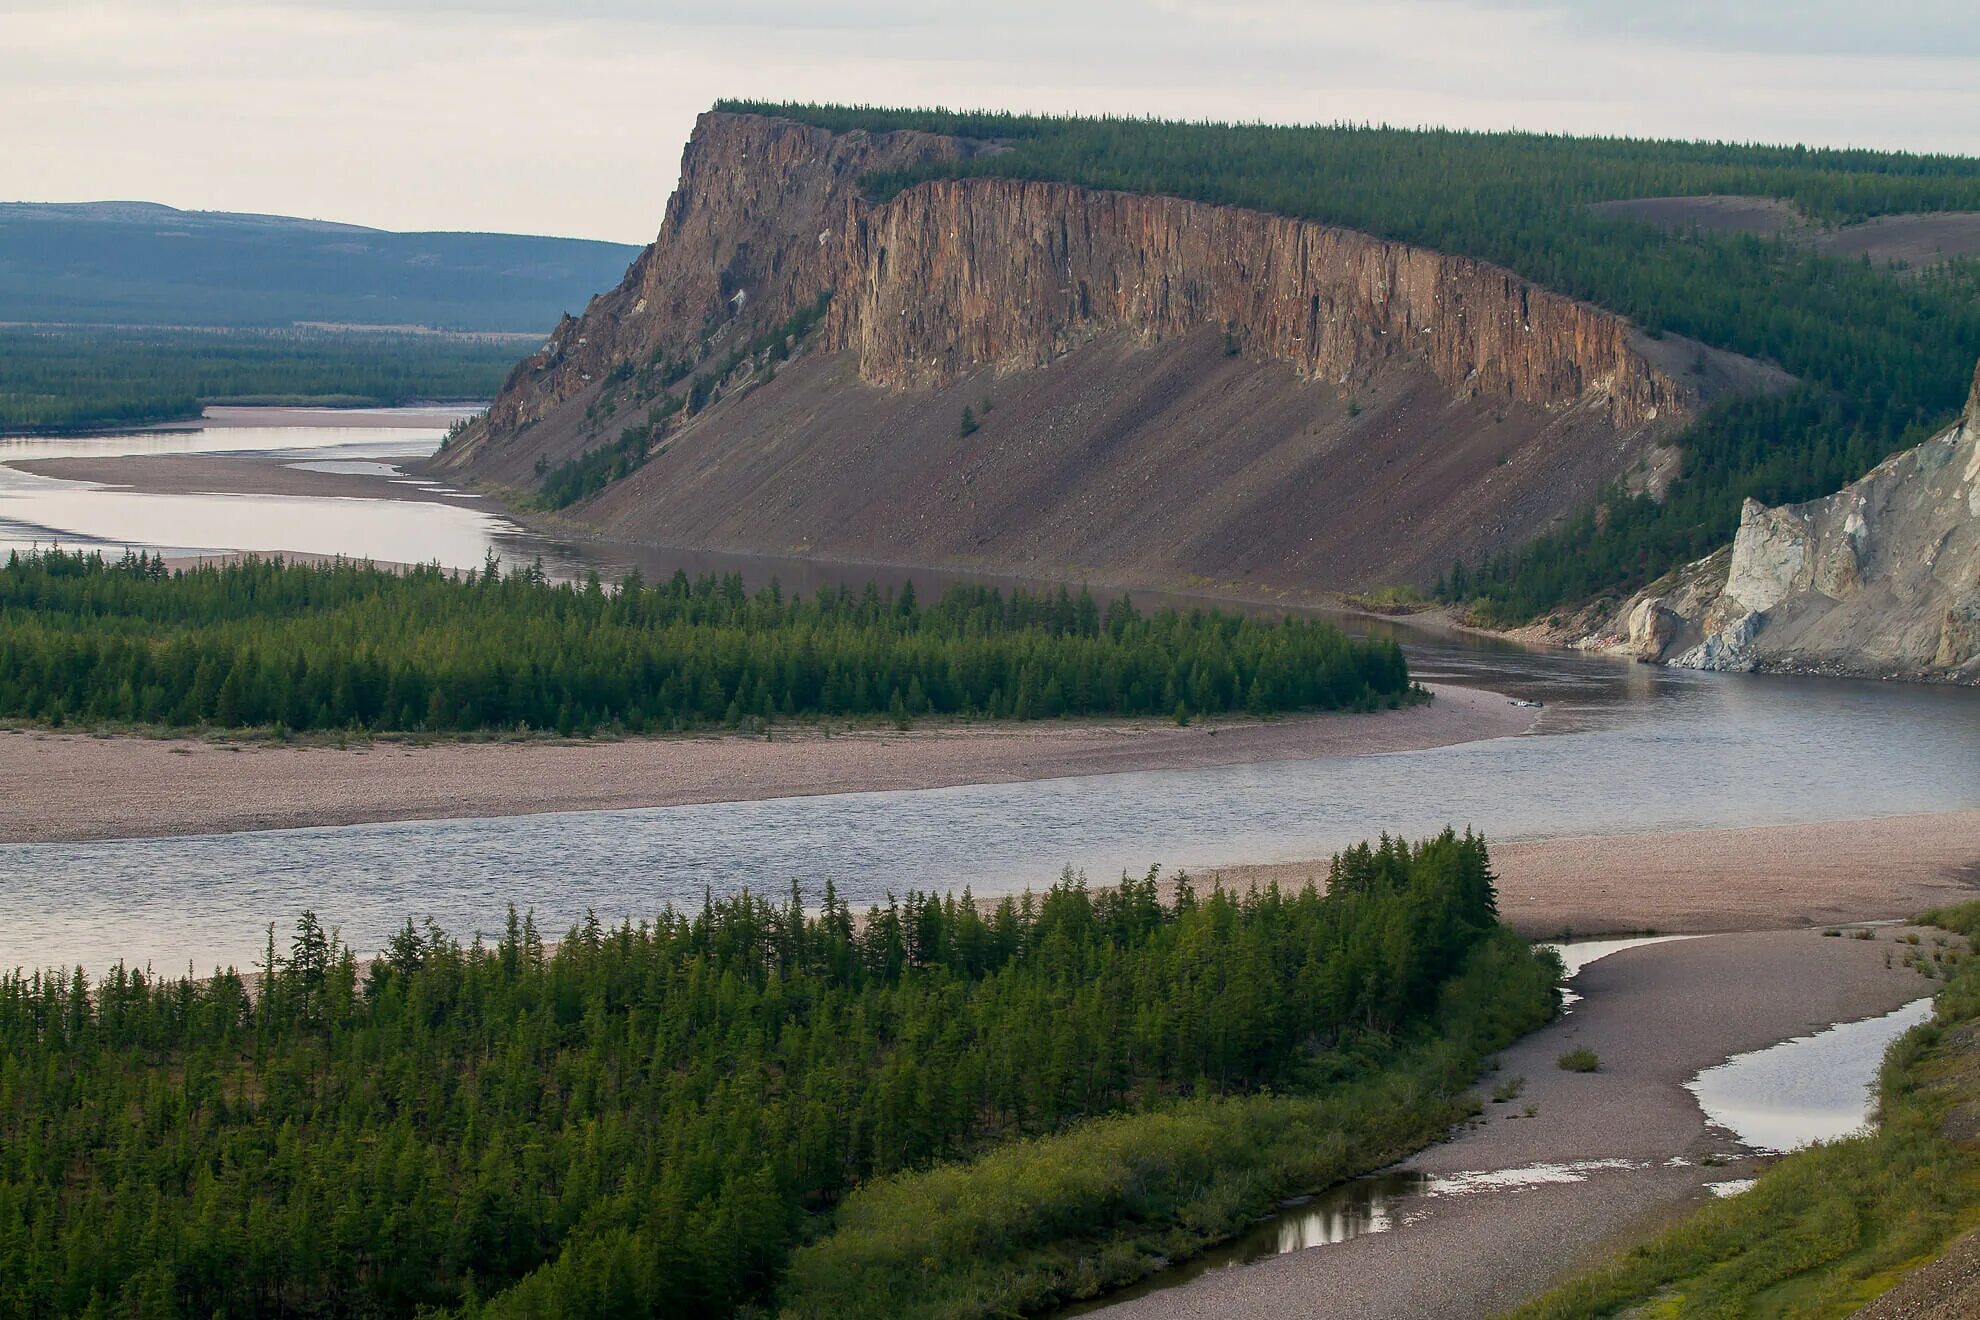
269 643
64 378
668 1118
1882 361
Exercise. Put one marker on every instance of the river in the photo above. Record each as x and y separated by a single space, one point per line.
454 528
1619 748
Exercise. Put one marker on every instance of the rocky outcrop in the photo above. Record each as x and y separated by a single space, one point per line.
748 239
1184 392
1657 623
1881 578
954 275
958 274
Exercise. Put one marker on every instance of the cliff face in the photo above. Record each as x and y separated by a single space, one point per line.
1353 411
954 275
958 274
748 239
1881 578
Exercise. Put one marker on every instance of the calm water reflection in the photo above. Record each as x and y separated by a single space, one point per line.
1813 1088
404 432
1691 751
37 510
1365 1205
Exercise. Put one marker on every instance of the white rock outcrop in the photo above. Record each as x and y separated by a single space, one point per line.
1881 578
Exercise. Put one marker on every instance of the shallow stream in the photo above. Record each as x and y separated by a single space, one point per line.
1811 1088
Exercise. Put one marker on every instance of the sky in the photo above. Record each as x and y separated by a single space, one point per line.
568 116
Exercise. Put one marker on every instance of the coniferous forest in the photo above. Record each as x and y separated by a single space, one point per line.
1882 358
335 646
936 1108
73 378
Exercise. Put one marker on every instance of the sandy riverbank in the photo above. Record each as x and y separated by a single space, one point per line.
229 474
1719 880
1656 1016
73 786
420 417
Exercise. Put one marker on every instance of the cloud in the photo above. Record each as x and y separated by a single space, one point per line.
569 117
1936 29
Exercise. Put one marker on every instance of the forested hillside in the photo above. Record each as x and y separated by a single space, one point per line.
651 1118
347 646
114 313
1881 360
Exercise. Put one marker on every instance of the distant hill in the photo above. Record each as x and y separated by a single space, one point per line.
144 264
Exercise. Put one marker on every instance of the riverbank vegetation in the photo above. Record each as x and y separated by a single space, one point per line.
76 378
1825 1230
1880 360
936 1109
345 646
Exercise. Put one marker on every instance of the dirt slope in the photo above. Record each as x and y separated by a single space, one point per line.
1157 464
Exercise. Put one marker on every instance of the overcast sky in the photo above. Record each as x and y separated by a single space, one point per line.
567 116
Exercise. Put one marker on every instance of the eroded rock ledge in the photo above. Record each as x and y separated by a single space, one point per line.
953 275
1881 578
956 274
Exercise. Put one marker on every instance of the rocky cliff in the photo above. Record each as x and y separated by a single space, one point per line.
747 240
1881 578
958 274
976 285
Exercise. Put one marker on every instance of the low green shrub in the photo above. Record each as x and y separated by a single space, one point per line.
1040 1222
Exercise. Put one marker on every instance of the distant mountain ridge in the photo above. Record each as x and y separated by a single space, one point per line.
146 213
142 263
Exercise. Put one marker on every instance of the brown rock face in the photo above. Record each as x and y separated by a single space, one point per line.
954 275
1183 392
749 237
957 274
1959 635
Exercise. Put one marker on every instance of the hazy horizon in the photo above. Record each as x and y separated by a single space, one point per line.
488 115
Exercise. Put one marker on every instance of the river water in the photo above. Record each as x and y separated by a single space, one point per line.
1619 748
1812 1088
38 511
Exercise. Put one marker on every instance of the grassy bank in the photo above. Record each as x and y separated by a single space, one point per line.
1827 1229
1113 1200
273 644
